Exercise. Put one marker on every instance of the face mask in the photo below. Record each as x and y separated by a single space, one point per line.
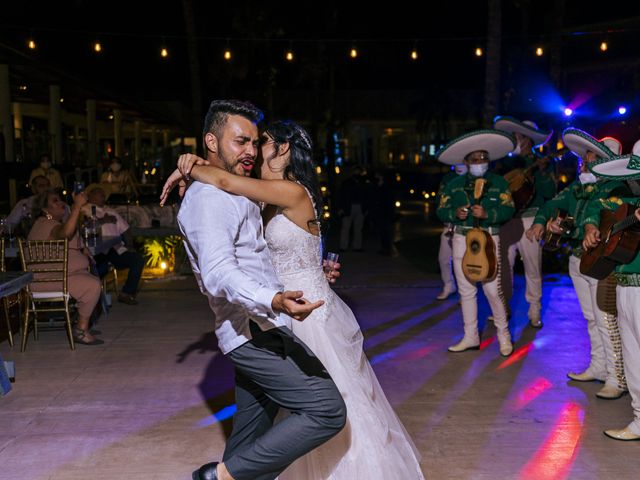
478 170
115 167
587 177
461 169
45 165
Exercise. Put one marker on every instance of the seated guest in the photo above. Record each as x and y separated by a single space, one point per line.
22 210
118 180
114 225
46 170
49 211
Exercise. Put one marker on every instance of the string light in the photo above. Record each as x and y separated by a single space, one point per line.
227 54
164 53
31 43
97 47
478 52
539 51
414 54
604 46
289 56
353 53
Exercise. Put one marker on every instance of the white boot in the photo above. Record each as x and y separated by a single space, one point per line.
534 315
467 343
609 392
504 339
446 291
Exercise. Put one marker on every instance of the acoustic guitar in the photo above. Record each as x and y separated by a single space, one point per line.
479 263
553 241
521 186
619 244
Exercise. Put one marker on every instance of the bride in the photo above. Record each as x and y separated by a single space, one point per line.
374 443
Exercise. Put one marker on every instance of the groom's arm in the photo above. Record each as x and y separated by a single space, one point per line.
211 223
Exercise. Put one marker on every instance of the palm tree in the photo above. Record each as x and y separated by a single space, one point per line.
492 72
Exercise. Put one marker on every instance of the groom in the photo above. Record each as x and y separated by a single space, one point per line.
230 259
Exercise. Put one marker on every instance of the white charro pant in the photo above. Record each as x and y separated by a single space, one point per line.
602 363
468 293
357 220
512 236
628 302
444 259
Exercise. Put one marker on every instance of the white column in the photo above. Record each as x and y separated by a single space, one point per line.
92 144
5 113
17 119
117 133
137 142
55 123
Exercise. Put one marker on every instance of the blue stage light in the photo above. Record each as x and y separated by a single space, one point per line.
568 112
622 110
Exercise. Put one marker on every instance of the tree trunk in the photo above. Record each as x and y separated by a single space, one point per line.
194 70
492 73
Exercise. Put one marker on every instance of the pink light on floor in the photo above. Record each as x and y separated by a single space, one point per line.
519 354
418 353
486 342
531 392
555 457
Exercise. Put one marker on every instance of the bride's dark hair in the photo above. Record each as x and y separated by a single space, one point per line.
301 167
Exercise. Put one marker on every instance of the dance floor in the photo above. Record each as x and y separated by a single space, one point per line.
156 399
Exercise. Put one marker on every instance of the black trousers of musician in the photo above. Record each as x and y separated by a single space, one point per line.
131 260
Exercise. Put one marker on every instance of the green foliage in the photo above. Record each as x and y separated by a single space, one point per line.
158 249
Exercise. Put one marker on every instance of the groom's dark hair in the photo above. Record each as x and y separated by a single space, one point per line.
219 111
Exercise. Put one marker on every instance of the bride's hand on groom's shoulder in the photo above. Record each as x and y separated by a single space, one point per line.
294 304
186 162
175 179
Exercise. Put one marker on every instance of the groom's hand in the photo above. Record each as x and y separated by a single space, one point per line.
294 304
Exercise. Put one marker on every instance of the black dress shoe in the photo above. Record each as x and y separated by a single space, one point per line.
206 472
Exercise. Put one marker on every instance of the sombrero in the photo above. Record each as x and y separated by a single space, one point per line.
526 128
625 167
580 143
496 143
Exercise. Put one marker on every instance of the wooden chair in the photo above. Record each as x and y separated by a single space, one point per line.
110 277
8 302
48 260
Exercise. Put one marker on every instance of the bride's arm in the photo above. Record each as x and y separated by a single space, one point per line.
282 193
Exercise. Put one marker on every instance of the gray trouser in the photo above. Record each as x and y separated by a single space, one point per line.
276 369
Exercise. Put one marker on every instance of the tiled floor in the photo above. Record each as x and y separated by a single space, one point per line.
154 401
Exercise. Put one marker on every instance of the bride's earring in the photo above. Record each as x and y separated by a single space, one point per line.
48 215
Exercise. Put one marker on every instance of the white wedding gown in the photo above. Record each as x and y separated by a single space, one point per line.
374 443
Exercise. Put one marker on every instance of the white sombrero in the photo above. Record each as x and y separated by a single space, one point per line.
625 167
496 143
580 143
526 128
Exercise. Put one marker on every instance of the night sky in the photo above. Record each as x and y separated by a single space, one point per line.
319 33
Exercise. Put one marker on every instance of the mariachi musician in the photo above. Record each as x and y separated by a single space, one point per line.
536 186
577 199
626 168
458 206
444 253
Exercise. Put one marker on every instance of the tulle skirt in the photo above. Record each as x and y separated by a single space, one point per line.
374 444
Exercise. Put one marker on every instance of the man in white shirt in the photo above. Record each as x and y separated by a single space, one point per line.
22 209
224 241
113 225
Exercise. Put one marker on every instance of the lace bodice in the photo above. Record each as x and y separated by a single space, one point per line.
293 249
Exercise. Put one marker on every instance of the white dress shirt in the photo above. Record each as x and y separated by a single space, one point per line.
230 259
109 229
22 209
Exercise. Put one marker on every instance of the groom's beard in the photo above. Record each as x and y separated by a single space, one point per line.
236 167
